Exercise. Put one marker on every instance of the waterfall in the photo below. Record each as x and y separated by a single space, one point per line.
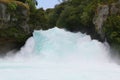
56 54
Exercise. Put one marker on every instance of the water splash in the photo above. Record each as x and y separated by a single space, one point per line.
56 54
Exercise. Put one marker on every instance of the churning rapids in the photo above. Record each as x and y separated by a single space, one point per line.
56 54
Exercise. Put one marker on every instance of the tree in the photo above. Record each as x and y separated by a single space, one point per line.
69 19
38 19
62 0
32 3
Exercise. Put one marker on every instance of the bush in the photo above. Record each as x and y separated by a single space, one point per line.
112 29
12 6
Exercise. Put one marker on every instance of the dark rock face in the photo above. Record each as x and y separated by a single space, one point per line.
107 23
100 18
103 12
6 46
14 28
115 8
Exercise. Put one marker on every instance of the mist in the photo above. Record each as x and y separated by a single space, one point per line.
56 54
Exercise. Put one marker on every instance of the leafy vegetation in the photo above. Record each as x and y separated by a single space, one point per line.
77 15
112 29
38 19
12 6
15 33
73 15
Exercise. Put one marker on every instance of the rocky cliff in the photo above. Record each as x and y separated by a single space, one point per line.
100 17
107 22
14 28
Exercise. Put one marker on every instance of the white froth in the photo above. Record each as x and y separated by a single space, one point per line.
56 54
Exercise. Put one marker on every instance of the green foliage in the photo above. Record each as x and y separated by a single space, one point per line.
38 19
22 1
74 15
69 19
112 29
88 13
15 33
77 15
54 14
52 18
12 6
32 5
106 1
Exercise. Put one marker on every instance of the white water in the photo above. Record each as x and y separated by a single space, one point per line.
56 54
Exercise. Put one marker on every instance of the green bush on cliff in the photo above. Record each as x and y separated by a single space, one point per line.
12 6
76 15
32 4
15 33
69 19
112 29
54 14
38 19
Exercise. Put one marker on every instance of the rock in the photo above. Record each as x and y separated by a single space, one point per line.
107 24
115 8
101 16
14 27
103 11
7 45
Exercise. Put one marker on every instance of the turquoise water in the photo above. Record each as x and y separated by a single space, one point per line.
56 54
